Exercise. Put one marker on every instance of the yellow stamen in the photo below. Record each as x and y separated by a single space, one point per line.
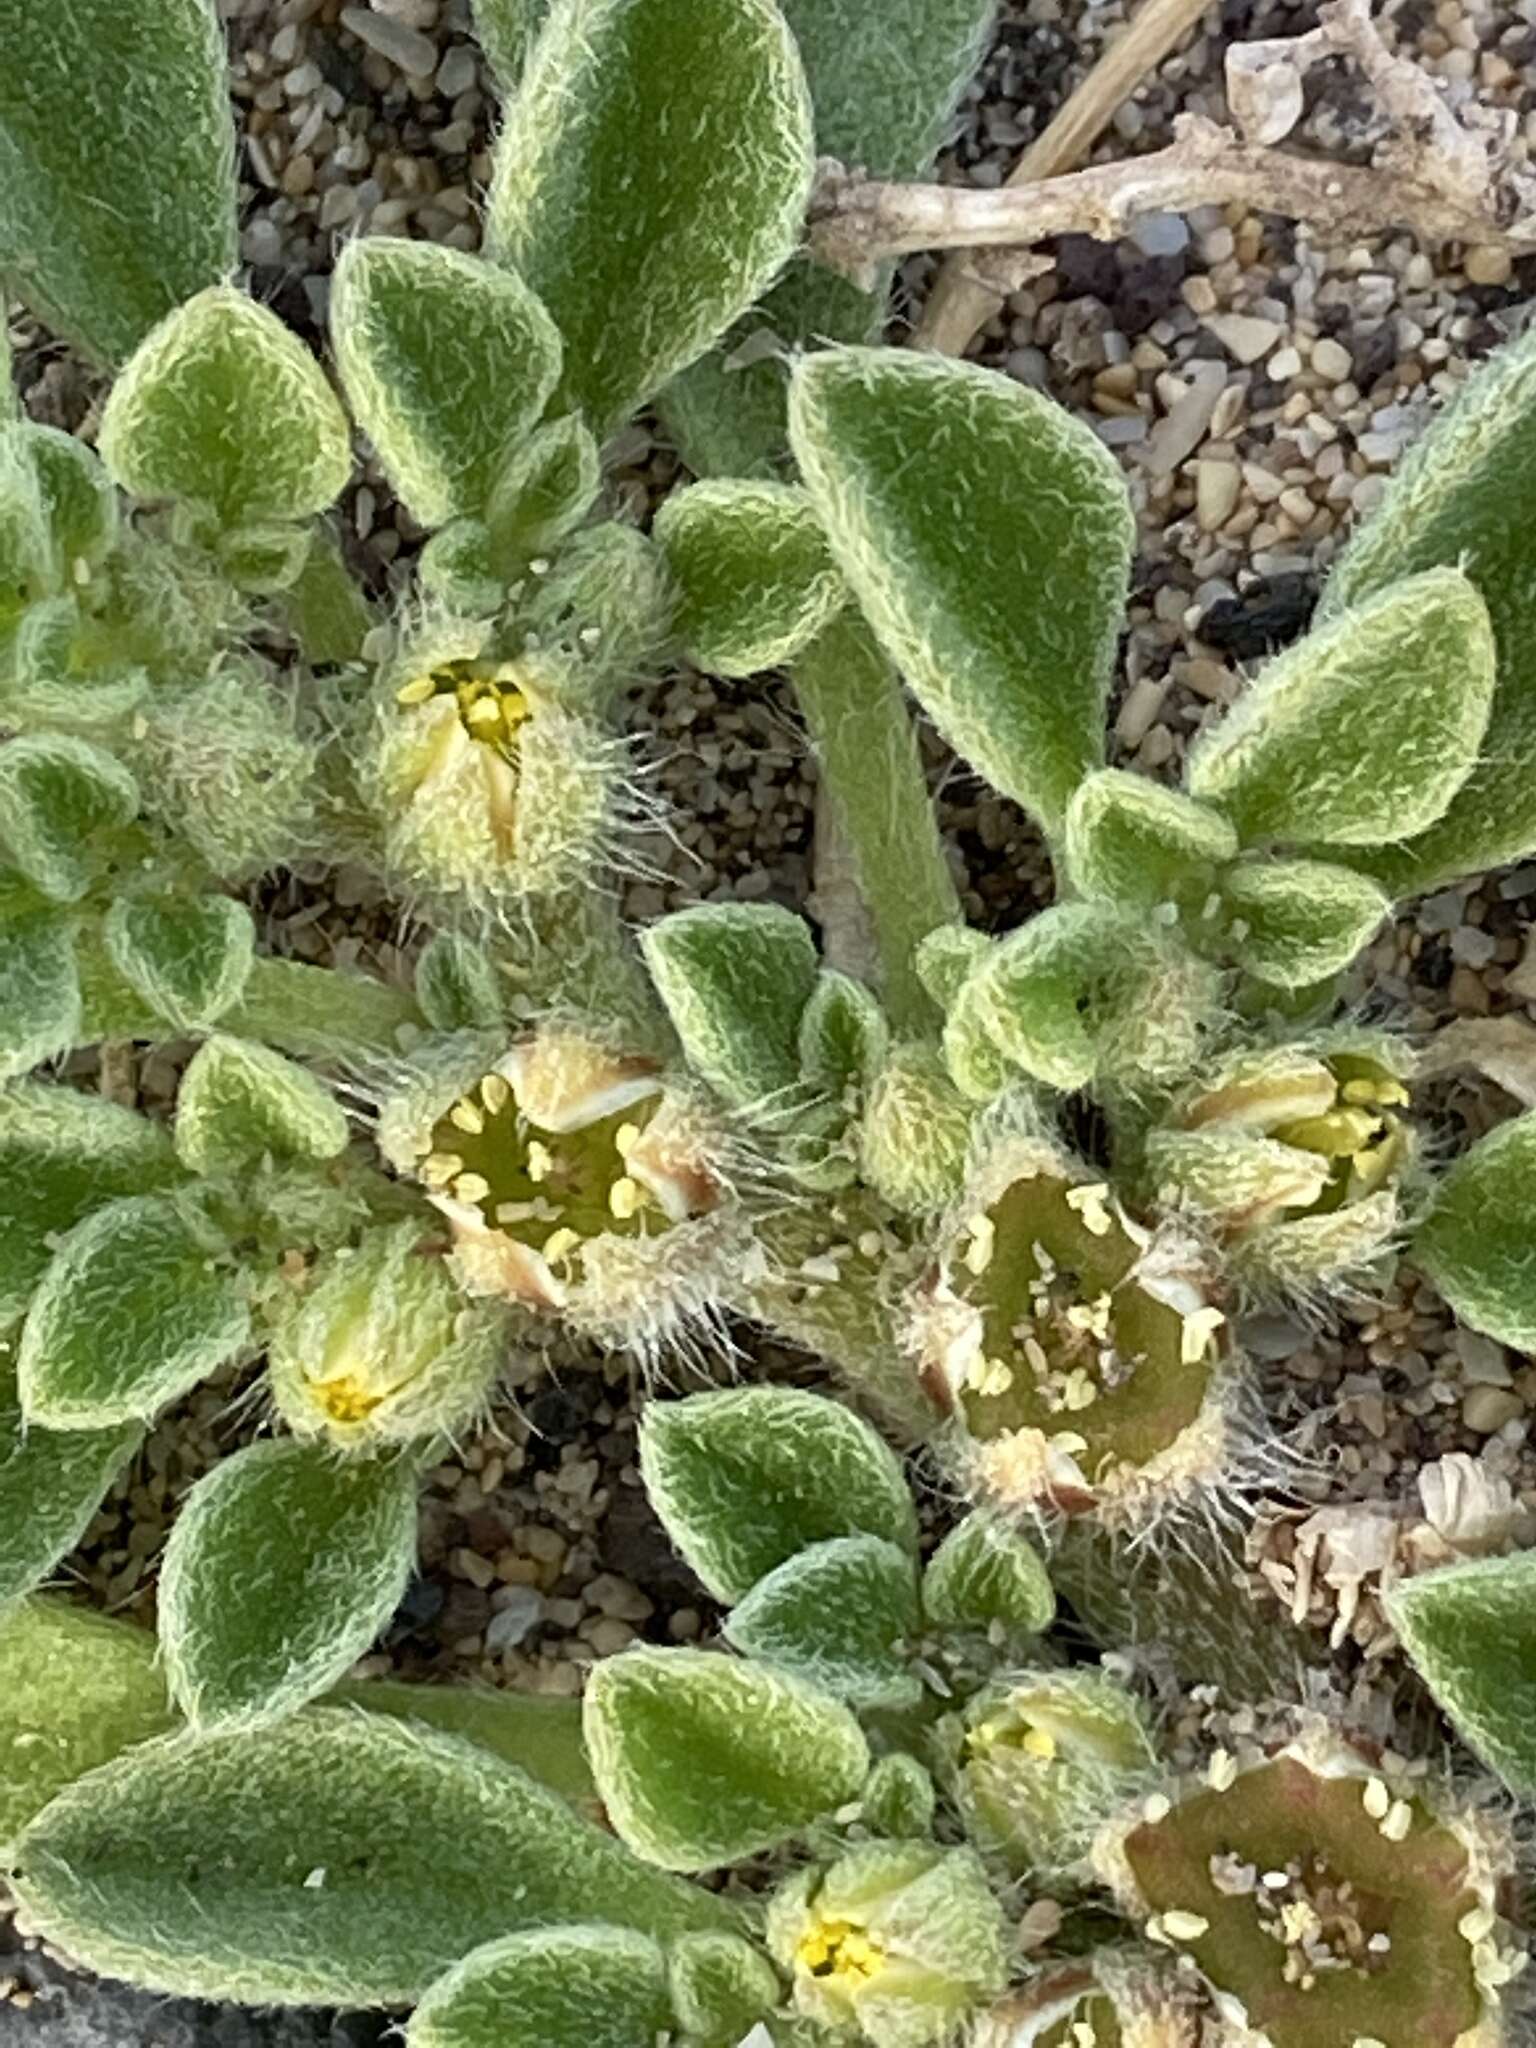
625 1197
495 1093
468 1116
540 1160
438 1168
560 1244
471 1187
417 691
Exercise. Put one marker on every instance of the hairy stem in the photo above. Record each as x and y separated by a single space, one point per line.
866 748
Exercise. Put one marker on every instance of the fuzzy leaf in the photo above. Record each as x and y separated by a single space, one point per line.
308 1863
843 1036
115 205
131 1313
188 957
1081 990
885 83
702 1759
756 574
79 502
1295 921
1471 1633
987 535
39 990
60 799
323 608
240 1102
224 408
734 978
457 985
608 603
1131 840
1476 1244
75 1690
1464 496
265 557
984 1571
63 1154
720 1985
447 363
744 1479
282 1568
1363 731
837 1615
915 1132
545 488
899 1798
558 1987
683 235
51 1484
539 1732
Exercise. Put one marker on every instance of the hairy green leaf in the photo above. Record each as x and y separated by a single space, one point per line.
1362 732
224 408
734 978
720 1985
839 1615
504 30
240 1102
1464 496
682 235
757 578
457 985
1293 922
539 1732
282 1567
311 1863
1471 1633
1477 1245
984 1571
542 491
75 1690
1130 840
51 1484
39 990
187 956
843 1037
61 800
63 1154
702 1759
555 1987
899 1797
885 83
115 204
746 1478
987 535
79 502
447 363
132 1312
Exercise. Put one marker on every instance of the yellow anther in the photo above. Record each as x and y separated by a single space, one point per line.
346 1399
1078 1390
560 1244
1200 1327
1398 1822
1376 1799
978 1253
1090 1204
471 1187
483 711
625 1197
495 1093
1181 1926
438 1168
625 1139
540 1161
1336 1135
417 691
468 1116
1039 1743
836 1948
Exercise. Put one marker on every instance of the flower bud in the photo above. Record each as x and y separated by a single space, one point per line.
900 1940
382 1349
1295 1156
576 1181
1040 1765
1079 1355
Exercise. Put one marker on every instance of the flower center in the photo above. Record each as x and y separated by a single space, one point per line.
839 1950
550 1190
491 711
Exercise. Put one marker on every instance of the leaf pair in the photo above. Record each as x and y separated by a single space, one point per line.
793 1509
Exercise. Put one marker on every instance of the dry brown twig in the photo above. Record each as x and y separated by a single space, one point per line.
1445 174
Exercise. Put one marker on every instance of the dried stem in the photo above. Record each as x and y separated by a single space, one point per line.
855 225
962 300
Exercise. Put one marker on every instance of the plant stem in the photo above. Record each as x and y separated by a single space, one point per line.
866 748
